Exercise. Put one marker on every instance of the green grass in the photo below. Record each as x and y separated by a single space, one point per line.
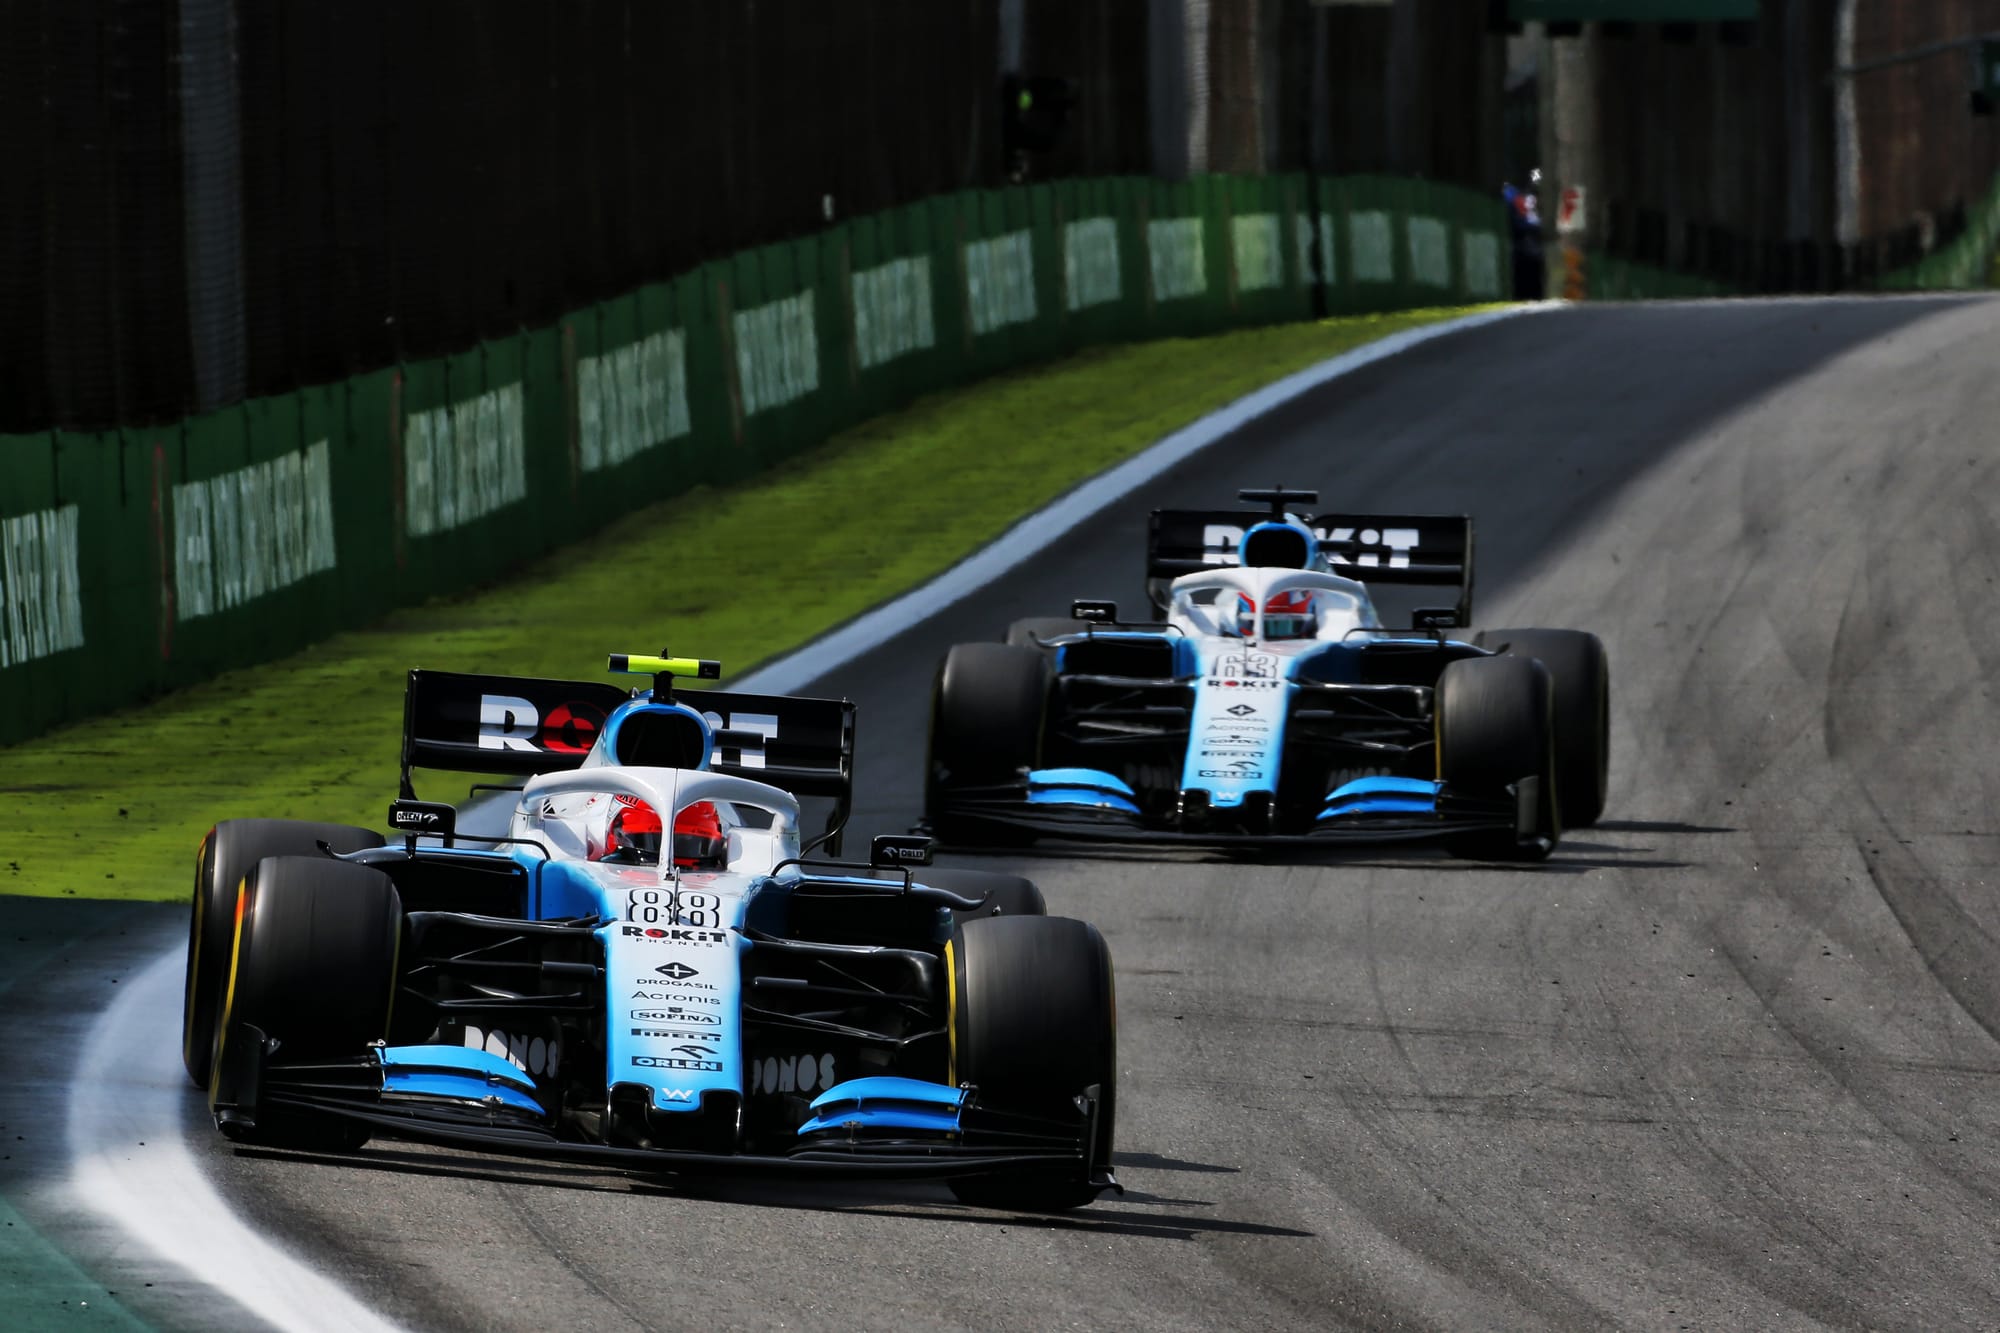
114 807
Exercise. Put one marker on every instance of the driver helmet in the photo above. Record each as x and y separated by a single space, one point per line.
634 835
1287 615
699 840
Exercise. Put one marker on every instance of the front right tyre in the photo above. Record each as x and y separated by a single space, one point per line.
1494 733
1034 1027
987 713
230 852
1581 676
314 960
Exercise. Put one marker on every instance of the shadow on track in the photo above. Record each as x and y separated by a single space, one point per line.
1110 1216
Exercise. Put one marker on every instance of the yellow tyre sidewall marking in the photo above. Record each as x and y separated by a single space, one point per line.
235 958
951 1013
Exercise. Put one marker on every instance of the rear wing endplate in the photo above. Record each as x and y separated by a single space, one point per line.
1424 550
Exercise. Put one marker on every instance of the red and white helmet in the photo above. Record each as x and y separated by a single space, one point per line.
1287 615
634 835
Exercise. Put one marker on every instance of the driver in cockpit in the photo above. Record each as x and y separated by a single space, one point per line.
633 836
1287 615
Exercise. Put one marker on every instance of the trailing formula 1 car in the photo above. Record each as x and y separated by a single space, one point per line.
648 969
1269 704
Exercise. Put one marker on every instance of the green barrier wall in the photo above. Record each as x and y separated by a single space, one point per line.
133 562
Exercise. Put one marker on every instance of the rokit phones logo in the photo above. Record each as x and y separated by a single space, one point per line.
1221 543
675 935
791 1073
508 722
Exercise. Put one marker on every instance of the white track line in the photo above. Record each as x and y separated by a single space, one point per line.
842 645
129 1086
129 1091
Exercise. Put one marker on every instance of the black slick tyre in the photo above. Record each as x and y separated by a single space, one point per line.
1034 1026
1494 732
1581 673
987 710
316 955
999 894
232 850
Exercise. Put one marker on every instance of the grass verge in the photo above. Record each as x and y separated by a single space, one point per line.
114 807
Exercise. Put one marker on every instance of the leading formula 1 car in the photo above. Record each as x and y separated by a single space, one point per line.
648 970
1269 703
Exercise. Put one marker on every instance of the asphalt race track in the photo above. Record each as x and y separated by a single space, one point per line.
1728 1060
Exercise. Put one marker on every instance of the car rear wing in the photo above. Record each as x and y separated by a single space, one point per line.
519 726
1423 550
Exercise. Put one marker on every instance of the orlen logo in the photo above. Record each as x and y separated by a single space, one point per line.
508 722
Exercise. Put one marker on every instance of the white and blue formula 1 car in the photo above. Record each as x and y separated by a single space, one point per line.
1268 704
646 970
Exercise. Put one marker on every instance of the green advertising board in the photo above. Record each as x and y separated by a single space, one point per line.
132 562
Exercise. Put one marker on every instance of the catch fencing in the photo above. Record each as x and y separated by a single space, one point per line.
135 561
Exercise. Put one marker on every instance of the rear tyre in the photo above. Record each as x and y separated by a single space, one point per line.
316 960
1493 732
1034 1025
1004 895
1582 674
987 712
232 850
